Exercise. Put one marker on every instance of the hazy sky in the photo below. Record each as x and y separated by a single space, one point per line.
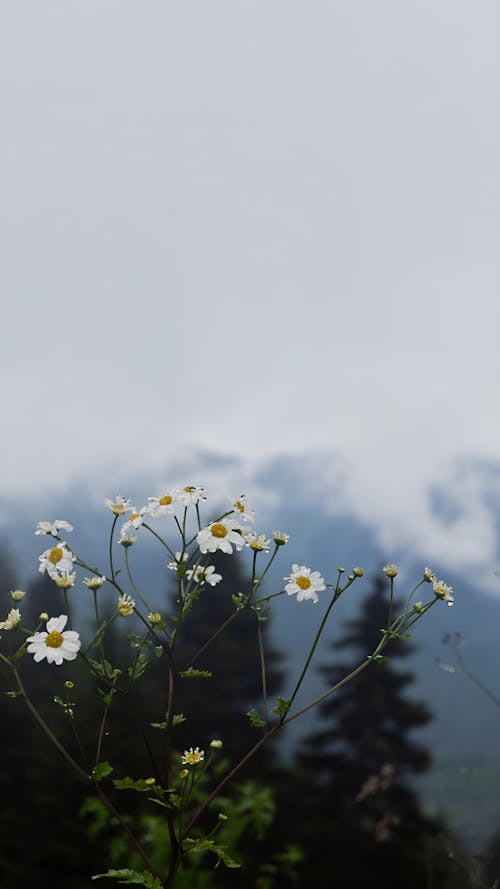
250 227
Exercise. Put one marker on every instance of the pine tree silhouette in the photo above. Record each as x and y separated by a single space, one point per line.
362 820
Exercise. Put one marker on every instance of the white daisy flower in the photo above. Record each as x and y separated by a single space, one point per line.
219 535
127 539
242 511
257 542
119 506
190 495
53 528
192 757
280 538
13 620
306 583
443 591
160 506
126 605
204 575
95 582
133 523
64 579
57 644
179 559
57 559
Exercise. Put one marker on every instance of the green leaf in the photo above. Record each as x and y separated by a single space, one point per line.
101 770
191 672
255 719
139 666
128 783
104 669
283 706
172 802
126 875
209 846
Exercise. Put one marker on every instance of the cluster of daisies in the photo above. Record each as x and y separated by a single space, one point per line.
233 531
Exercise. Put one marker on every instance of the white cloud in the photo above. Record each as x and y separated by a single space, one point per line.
254 240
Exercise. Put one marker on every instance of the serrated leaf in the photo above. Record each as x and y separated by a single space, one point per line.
282 707
255 719
128 876
138 668
191 672
171 803
103 669
101 770
141 784
201 845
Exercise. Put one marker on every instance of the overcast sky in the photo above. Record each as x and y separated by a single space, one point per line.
253 228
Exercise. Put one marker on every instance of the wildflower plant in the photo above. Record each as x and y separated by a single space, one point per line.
188 784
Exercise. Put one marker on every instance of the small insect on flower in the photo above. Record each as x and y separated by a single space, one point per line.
190 495
57 644
192 757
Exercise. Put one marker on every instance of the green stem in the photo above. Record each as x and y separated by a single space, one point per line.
309 658
48 731
153 532
132 582
111 568
262 668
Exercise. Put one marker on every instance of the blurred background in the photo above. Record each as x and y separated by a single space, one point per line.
254 246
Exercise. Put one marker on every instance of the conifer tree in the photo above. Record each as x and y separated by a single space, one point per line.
362 820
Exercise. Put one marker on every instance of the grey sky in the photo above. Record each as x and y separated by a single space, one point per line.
252 228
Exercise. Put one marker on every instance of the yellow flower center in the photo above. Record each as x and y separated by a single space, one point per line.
189 489
166 500
303 582
134 516
218 529
240 506
55 555
193 758
54 639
